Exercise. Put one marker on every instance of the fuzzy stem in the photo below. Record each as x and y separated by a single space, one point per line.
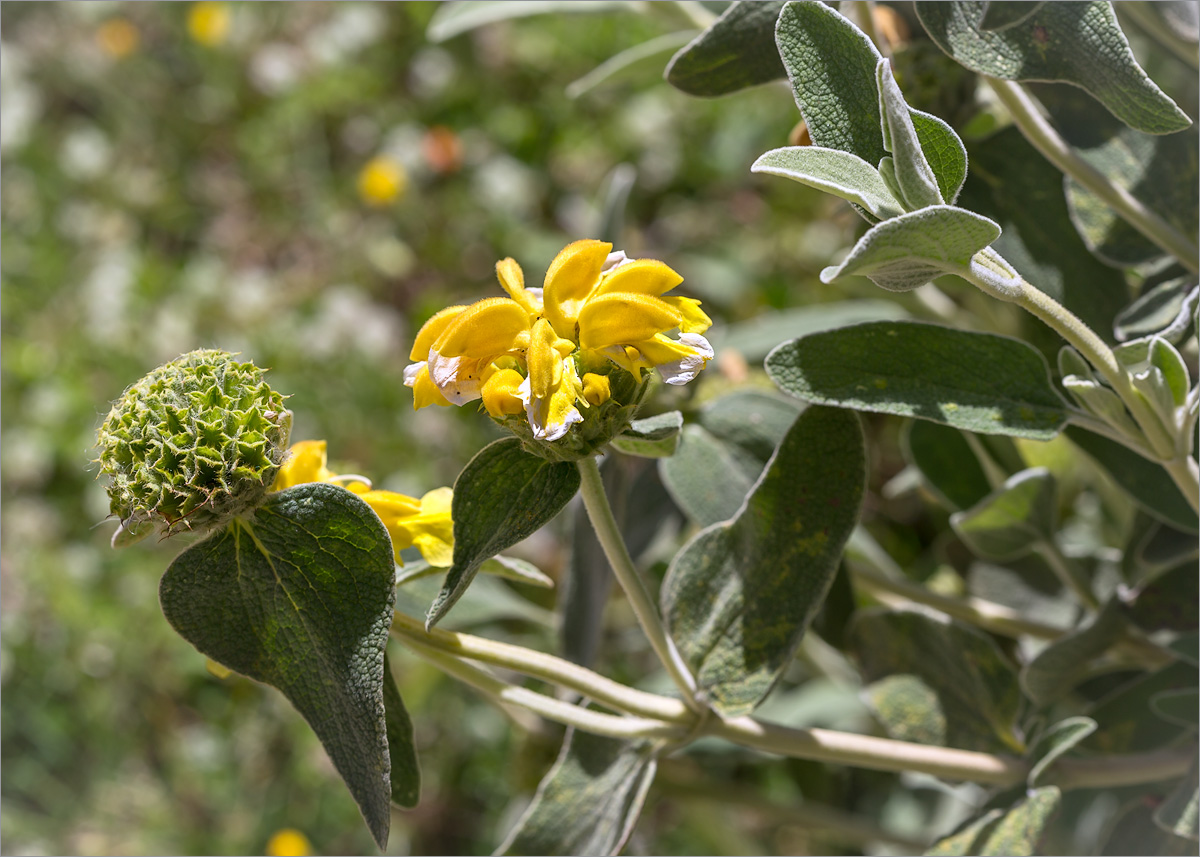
547 668
609 536
1043 137
610 725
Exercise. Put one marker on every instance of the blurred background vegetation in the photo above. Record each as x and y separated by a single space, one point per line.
305 184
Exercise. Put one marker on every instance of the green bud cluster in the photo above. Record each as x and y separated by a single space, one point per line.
192 445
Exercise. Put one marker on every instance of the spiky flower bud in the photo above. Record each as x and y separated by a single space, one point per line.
192 445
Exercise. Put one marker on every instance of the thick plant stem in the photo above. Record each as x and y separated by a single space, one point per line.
1042 136
600 512
547 668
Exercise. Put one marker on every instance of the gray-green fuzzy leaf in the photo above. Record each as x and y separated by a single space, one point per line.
831 66
1144 481
1009 522
1169 600
1059 666
299 596
972 684
1163 310
1071 42
1015 831
1002 14
653 437
833 171
947 463
1055 742
736 51
914 175
502 496
908 251
405 775
739 597
755 338
943 151
452 19
1181 706
589 802
978 382
1180 812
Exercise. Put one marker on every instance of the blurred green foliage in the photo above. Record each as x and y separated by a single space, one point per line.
161 194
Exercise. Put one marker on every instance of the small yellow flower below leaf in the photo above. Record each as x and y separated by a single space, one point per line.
288 843
596 388
382 181
208 22
424 523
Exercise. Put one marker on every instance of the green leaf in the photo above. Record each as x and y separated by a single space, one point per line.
908 708
832 68
1127 722
755 338
908 251
625 59
1169 362
1009 522
1178 706
1059 667
1077 43
589 801
1169 600
947 463
1144 481
977 382
1179 814
1015 831
973 686
653 437
299 596
739 597
944 152
1134 830
721 457
1002 14
918 185
833 171
1055 742
502 496
1163 309
405 772
452 19
1019 189
736 51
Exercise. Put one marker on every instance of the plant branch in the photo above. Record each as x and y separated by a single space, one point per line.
1043 137
596 722
1116 771
1068 573
547 668
609 535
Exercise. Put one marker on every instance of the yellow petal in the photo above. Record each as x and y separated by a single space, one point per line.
485 330
512 279
694 319
305 463
390 506
623 318
644 276
570 279
596 388
545 362
500 393
431 330
425 392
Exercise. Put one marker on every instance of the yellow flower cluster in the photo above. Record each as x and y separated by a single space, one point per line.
424 523
533 350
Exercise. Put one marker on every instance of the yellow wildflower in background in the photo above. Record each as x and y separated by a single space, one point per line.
382 181
288 842
547 348
208 22
424 523
118 38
